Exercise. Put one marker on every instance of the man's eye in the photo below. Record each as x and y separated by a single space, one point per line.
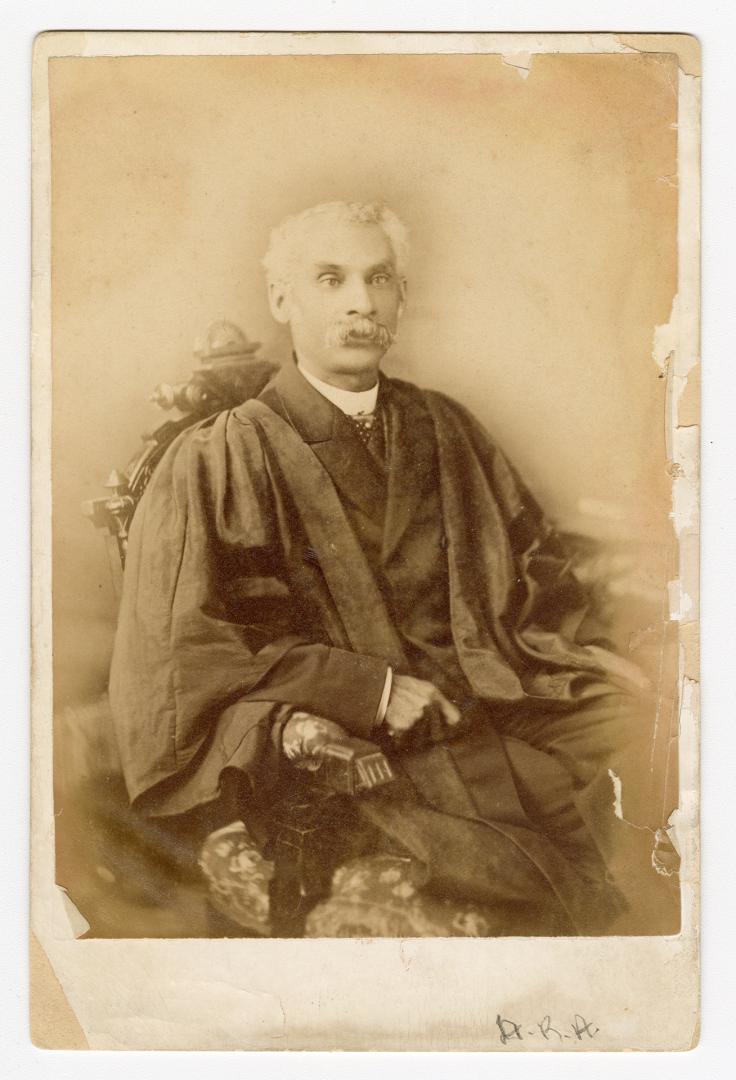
330 280
380 279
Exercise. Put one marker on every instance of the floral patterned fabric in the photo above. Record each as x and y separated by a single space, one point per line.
372 896
375 896
238 877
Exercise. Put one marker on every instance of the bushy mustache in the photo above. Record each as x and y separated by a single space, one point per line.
359 328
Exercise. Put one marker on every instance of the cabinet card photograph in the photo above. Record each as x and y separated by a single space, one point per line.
365 540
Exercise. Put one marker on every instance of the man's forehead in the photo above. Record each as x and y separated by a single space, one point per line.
344 243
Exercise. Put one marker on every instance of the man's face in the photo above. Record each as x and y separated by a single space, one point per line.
343 301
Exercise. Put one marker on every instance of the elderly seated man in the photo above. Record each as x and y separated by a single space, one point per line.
350 555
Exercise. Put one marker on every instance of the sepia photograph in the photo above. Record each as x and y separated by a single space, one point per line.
369 612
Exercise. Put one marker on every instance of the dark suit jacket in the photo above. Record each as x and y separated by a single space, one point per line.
392 503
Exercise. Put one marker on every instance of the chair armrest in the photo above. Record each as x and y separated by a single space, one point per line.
342 763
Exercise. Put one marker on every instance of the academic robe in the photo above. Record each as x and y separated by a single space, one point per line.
273 562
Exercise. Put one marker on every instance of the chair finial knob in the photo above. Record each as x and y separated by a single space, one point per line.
117 482
224 341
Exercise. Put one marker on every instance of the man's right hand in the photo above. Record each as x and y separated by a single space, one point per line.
412 700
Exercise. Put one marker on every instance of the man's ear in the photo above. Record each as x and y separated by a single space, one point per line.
278 299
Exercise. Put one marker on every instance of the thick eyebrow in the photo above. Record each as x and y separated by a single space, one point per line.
381 267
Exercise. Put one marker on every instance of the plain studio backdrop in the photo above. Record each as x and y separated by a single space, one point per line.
542 208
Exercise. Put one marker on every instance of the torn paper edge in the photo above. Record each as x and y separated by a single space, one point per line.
516 49
679 341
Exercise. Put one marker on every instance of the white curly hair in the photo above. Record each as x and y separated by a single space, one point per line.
284 241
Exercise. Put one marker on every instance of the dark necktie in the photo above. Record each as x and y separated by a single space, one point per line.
369 429
363 424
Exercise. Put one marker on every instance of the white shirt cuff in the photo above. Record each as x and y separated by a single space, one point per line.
383 703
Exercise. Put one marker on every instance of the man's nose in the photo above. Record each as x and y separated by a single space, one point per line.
359 299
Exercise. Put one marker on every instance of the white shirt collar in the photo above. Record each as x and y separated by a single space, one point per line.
351 402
